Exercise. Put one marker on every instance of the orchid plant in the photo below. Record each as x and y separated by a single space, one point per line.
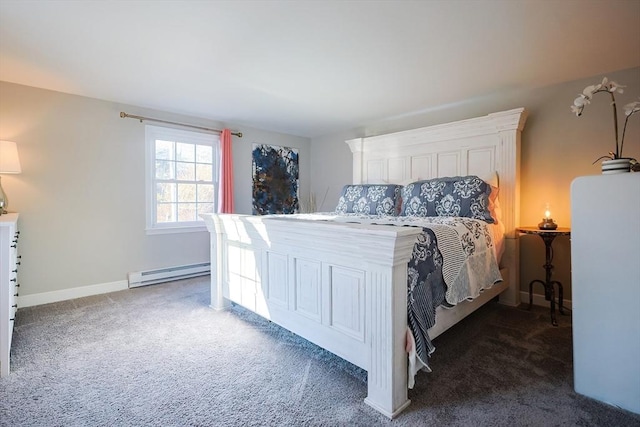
611 88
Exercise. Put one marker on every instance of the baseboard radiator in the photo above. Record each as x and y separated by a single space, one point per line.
161 275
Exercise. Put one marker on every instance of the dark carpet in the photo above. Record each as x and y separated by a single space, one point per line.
159 356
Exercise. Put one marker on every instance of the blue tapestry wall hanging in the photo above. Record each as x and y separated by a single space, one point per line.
275 180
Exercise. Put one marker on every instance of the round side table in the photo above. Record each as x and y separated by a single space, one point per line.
549 291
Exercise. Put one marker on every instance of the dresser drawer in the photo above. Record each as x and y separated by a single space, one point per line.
9 266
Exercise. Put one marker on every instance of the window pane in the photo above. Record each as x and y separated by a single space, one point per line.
204 172
182 176
164 149
187 212
185 171
165 212
204 154
186 192
165 169
165 192
185 152
205 208
205 193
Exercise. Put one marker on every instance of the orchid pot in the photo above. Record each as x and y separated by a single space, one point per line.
620 165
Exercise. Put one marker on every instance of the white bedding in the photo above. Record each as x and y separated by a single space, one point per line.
497 230
442 226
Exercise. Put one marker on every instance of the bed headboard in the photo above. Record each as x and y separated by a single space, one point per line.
477 146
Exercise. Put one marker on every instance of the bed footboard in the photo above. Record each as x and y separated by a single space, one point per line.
341 286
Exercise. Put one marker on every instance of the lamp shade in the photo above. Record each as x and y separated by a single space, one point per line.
9 160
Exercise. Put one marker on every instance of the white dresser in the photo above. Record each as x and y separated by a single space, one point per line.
9 263
605 277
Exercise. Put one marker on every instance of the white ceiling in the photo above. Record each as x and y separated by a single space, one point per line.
310 68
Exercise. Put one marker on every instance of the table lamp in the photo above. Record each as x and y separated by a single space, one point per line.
547 222
9 163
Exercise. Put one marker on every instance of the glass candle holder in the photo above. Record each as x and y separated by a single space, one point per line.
547 222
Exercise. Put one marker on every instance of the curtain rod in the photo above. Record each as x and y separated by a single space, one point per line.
141 118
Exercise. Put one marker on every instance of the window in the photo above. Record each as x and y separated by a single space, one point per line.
182 178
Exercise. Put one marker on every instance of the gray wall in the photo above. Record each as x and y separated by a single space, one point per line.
81 192
556 148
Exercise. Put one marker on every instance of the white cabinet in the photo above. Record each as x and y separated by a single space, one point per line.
9 235
605 264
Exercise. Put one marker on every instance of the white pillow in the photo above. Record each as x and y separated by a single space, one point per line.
493 180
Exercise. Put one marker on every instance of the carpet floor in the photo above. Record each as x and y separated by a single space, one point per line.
159 356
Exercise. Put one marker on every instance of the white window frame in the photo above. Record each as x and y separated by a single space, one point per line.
153 133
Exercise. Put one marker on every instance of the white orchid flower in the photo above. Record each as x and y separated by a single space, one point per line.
590 90
631 108
615 87
578 104
611 87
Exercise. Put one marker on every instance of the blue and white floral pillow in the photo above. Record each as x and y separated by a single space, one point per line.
369 199
461 196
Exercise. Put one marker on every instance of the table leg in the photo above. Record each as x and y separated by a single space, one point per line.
552 292
560 296
531 290
548 283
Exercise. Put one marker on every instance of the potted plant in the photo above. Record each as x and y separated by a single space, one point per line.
613 162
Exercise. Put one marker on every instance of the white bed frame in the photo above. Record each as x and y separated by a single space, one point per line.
343 286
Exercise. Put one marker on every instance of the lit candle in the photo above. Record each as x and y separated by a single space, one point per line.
547 222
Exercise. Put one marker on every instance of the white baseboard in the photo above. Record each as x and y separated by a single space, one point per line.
72 293
120 285
539 300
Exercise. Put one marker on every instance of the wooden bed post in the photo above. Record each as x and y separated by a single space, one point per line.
218 302
357 146
386 303
509 125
